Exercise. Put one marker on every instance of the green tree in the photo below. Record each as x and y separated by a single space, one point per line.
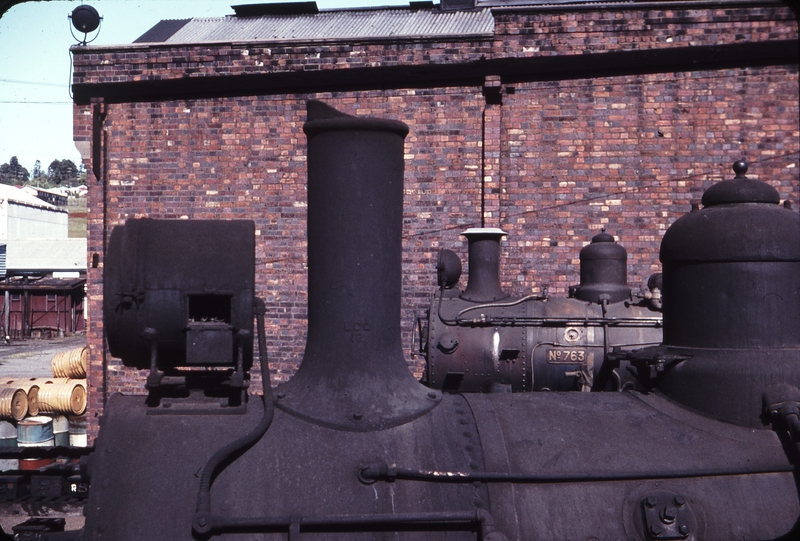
62 171
81 175
13 173
37 171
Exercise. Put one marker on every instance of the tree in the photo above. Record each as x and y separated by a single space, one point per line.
81 174
13 173
62 171
37 171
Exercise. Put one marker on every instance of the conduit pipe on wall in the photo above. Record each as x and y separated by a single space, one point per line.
492 93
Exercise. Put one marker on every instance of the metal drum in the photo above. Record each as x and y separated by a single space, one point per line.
77 431
35 432
8 438
60 431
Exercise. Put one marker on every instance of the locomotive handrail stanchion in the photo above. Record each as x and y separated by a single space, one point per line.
203 521
418 329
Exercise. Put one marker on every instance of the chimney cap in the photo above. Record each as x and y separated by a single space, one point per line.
484 231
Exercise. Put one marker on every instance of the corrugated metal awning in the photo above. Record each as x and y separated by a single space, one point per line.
329 25
42 284
46 255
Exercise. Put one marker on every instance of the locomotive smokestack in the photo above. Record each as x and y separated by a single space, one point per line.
484 265
353 375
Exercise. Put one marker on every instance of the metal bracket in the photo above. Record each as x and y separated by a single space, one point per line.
650 364
667 516
198 404
186 394
787 411
155 376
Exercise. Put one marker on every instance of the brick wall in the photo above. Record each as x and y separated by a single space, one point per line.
551 162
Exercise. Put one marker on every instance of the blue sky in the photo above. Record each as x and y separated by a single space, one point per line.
35 37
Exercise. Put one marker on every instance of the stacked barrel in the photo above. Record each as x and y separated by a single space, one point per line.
70 364
46 412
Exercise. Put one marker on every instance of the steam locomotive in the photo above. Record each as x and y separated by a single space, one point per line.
483 339
702 445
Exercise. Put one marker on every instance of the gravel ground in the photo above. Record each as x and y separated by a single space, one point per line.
31 358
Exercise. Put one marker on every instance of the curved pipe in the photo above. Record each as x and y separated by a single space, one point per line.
203 521
458 321
501 304
537 321
383 472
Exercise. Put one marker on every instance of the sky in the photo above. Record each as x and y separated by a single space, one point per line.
35 64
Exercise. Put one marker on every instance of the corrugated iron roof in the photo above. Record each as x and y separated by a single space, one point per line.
162 31
22 197
51 284
331 25
46 255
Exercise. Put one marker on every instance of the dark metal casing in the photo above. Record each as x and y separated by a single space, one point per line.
357 450
484 265
732 301
604 271
558 344
484 340
353 362
190 282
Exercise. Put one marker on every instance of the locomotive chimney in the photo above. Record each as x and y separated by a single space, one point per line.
354 375
483 284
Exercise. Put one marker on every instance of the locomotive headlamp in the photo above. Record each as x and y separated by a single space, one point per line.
448 268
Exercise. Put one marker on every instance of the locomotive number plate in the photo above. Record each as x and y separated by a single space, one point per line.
566 355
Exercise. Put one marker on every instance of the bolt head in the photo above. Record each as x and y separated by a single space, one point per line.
651 501
679 501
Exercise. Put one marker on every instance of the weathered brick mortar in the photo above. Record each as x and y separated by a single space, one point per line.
562 158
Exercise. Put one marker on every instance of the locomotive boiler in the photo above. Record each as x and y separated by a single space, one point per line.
353 447
483 339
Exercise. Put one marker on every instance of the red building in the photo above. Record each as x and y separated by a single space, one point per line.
42 307
546 118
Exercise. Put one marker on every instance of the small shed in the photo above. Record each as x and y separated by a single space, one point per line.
42 307
43 287
53 197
